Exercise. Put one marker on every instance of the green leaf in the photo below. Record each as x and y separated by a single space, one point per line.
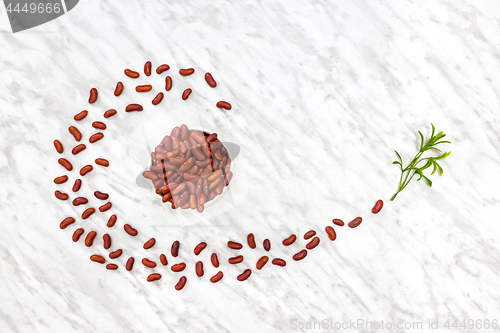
445 155
435 167
433 130
440 169
421 139
429 182
396 162
399 156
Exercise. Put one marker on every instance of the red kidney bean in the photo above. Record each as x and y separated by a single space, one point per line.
97 258
130 265
132 74
290 240
149 244
99 125
181 283
150 175
163 260
251 241
65 163
175 248
89 240
75 132
80 201
86 214
312 244
192 202
61 196
309 234
215 260
79 148
154 277
112 267
118 89
162 68
224 105
245 275
217 277
110 113
81 115
186 93
111 221
210 80
148 263
262 262
144 88
186 72
279 262
133 107
378 206
267 244
61 179
331 233
168 83
102 161
235 260
300 255
147 68
93 96
115 254
199 269
234 245
157 99
106 241
86 169
200 247
105 207
178 267
338 222
59 147
129 230
96 137
101 195
66 222
77 185
76 235
354 223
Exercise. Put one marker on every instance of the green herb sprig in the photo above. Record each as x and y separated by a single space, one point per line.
413 169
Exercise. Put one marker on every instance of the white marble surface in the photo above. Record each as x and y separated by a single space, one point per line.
322 94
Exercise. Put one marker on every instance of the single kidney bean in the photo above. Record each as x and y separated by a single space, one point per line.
251 241
118 89
163 260
129 230
86 169
147 68
186 93
181 283
149 244
96 137
132 74
106 241
148 263
267 244
200 247
111 221
115 254
290 240
101 195
215 260
61 179
76 235
214 175
262 262
224 105
150 175
234 245
175 248
66 222
65 163
93 96
187 71
59 147
81 115
89 240
112 267
97 258
102 161
178 267
354 223
168 83
217 277
235 260
192 201
80 201
77 185
99 125
331 233
79 148
75 132
245 275
309 234
110 113
61 196
105 207
338 222
144 88
378 206
86 214
133 107
157 99
300 255
312 244
154 277
279 262
162 68
199 269
210 80
130 265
